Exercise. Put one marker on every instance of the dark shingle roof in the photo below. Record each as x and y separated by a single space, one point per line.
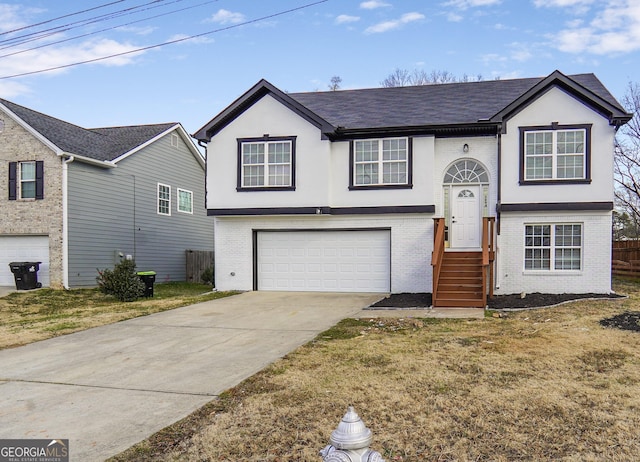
103 144
428 105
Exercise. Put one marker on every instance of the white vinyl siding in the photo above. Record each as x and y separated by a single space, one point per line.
164 199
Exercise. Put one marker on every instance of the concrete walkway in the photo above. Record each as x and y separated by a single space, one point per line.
110 387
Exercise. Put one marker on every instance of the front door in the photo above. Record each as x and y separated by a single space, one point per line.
465 216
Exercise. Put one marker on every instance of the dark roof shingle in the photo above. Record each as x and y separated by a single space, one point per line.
427 105
103 144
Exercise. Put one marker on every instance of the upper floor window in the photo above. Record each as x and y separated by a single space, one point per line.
381 163
185 201
266 163
555 153
553 247
26 180
164 199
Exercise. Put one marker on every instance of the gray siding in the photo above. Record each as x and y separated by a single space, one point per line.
115 210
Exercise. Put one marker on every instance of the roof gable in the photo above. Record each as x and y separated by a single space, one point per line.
586 88
105 145
248 99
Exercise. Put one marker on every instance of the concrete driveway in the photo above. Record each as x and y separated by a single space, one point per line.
109 387
6 290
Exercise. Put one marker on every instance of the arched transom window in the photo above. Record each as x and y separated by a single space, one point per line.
466 171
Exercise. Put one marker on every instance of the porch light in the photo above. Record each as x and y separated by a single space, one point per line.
465 148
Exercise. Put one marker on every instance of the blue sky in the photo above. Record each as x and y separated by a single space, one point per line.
238 42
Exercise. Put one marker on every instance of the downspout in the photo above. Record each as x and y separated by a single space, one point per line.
499 202
65 221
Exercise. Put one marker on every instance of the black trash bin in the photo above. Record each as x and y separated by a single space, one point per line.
26 274
148 277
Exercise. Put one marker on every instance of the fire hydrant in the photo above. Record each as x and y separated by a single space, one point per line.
350 441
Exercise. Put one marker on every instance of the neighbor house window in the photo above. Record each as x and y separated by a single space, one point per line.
381 163
555 153
164 199
185 201
266 163
553 247
26 180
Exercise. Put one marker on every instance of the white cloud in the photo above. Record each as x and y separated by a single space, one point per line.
227 17
345 19
39 60
373 4
615 28
561 3
12 88
454 17
465 4
386 26
576 6
15 16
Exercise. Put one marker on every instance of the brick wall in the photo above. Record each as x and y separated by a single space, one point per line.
595 275
32 217
411 246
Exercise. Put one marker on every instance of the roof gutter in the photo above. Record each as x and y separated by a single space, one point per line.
88 160
480 128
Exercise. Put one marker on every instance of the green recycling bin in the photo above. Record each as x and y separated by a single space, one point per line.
148 277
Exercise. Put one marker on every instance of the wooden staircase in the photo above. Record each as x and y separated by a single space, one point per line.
461 282
462 279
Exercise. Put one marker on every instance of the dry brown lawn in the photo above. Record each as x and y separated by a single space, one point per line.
547 384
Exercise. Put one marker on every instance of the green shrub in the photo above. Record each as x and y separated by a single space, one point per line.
122 282
207 276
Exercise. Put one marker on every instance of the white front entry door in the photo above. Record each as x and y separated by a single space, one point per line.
465 216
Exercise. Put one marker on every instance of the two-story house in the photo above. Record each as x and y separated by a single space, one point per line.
79 200
458 189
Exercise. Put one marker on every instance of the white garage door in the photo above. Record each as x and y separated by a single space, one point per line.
23 248
324 261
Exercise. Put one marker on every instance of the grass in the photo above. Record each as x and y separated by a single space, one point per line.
29 316
548 384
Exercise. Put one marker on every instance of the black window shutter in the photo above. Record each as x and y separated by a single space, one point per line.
39 179
13 174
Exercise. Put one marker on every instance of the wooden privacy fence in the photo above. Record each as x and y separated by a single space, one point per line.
626 259
197 262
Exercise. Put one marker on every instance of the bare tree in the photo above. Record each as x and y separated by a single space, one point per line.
403 78
335 83
627 157
398 78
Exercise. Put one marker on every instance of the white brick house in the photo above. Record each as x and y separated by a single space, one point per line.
343 191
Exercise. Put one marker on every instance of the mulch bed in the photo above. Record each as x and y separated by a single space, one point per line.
498 302
629 320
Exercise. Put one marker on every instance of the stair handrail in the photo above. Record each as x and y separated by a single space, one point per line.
488 256
438 253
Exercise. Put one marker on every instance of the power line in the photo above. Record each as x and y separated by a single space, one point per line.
83 22
101 30
171 42
60 17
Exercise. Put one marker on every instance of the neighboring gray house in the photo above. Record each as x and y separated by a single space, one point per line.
81 199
